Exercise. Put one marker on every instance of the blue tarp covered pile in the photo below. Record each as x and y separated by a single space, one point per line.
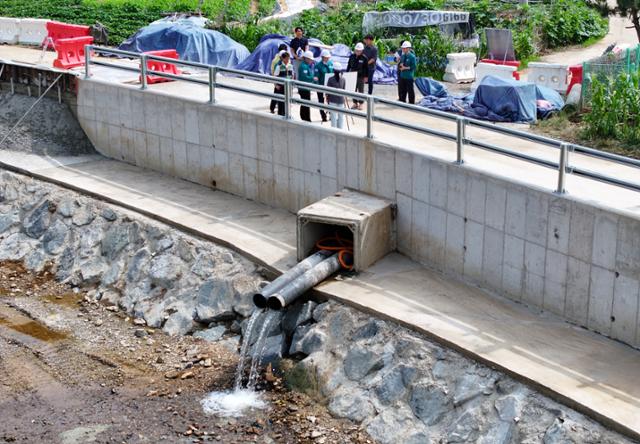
192 41
260 59
495 99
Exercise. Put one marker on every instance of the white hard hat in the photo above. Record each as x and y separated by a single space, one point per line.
359 46
325 53
337 66
308 55
406 44
283 52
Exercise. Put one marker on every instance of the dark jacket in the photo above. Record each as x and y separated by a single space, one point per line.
358 64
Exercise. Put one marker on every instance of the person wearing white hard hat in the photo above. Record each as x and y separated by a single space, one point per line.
358 63
407 70
305 74
274 62
322 68
336 81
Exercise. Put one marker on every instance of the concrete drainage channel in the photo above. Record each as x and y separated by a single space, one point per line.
397 385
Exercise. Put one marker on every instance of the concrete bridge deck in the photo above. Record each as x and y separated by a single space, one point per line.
586 371
600 194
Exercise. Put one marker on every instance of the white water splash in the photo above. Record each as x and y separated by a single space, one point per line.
232 404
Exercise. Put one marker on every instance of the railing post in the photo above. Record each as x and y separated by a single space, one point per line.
87 61
562 167
288 92
213 75
370 114
143 71
460 139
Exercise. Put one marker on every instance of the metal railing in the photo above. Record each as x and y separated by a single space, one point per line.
460 136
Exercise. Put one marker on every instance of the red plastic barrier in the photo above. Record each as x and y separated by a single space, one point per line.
71 52
154 65
58 30
516 74
575 77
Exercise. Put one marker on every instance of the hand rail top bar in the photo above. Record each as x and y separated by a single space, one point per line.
370 115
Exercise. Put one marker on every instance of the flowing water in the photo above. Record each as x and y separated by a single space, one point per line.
234 403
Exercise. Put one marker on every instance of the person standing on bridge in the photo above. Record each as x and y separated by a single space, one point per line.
358 63
322 69
299 44
336 81
407 70
274 62
284 70
371 52
305 74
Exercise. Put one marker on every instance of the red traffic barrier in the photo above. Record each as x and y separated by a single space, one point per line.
575 77
516 74
71 52
155 65
58 30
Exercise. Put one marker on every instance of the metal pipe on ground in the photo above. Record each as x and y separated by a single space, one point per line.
303 283
260 299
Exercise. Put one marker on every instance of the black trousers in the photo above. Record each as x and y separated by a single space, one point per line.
405 86
305 111
274 103
280 104
360 89
323 113
372 70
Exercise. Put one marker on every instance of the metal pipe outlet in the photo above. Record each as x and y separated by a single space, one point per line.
303 283
260 299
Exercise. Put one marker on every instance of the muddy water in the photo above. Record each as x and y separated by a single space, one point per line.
13 320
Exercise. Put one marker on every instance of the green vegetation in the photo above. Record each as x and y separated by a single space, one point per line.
615 109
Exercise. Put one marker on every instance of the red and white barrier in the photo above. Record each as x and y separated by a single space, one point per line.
9 30
551 75
71 52
460 67
58 30
32 31
157 66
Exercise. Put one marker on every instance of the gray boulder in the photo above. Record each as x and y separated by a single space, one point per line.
469 387
391 387
66 262
204 265
36 223
211 334
509 407
272 350
214 301
9 220
16 247
466 428
115 240
298 315
108 214
55 237
429 403
136 265
91 236
165 270
361 361
178 324
84 215
307 340
397 425
92 270
36 260
351 403
67 207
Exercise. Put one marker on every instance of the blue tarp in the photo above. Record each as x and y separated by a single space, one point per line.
260 59
192 41
497 100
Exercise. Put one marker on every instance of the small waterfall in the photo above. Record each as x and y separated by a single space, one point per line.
259 347
245 348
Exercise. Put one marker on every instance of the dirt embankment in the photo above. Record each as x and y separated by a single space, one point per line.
49 129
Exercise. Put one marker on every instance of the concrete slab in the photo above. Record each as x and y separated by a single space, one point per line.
584 370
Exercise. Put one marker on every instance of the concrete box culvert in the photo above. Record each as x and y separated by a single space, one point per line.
349 217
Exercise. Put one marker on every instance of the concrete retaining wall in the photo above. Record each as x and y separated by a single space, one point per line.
547 251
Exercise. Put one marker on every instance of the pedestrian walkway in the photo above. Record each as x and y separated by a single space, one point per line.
582 369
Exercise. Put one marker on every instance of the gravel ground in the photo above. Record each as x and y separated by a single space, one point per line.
75 371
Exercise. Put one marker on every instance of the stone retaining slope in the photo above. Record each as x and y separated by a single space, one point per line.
555 253
399 385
